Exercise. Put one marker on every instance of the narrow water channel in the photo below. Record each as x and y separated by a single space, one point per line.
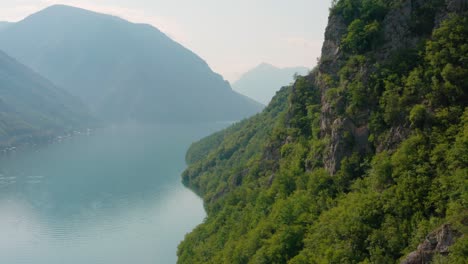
114 196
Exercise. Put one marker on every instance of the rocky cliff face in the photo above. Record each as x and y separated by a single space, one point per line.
355 162
437 242
399 32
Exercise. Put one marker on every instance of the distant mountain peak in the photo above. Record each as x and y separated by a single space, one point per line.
262 82
4 24
61 8
266 65
123 70
69 13
269 66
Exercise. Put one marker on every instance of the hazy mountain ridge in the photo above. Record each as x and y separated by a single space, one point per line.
123 70
4 25
364 160
262 82
32 108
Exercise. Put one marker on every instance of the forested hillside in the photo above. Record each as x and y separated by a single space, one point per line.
121 70
32 109
362 161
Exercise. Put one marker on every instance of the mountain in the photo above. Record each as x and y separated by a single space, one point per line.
364 160
262 82
4 25
123 71
32 109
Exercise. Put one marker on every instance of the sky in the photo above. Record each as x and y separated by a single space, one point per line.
232 36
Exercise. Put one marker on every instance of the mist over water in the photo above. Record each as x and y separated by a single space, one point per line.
114 196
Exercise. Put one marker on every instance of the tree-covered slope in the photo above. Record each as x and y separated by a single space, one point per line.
123 71
32 108
359 162
262 82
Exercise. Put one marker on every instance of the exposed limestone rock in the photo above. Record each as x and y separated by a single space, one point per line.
331 47
452 6
457 5
398 34
395 136
396 29
339 144
346 138
438 241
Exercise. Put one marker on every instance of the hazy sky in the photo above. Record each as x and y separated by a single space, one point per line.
231 35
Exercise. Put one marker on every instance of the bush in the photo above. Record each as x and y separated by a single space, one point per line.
418 116
361 37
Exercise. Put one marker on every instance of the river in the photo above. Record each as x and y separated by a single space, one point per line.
112 197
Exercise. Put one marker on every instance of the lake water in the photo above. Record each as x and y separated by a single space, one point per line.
112 197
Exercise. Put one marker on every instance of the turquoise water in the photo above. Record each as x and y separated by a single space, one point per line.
112 197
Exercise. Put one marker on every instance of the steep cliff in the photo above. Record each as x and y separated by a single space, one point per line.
379 37
358 162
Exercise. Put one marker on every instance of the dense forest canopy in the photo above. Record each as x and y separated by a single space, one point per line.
360 161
